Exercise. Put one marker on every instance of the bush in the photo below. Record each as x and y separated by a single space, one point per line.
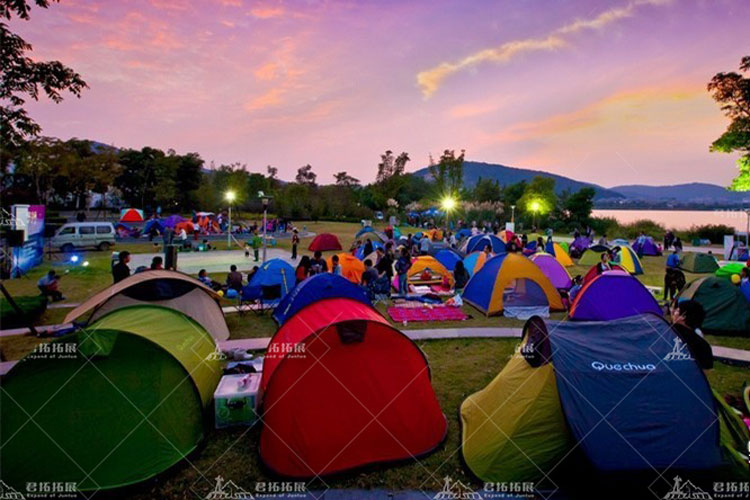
713 232
645 226
606 225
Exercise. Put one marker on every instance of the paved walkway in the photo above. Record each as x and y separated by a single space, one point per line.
213 261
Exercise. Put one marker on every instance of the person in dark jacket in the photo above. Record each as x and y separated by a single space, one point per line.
687 318
460 275
234 278
120 271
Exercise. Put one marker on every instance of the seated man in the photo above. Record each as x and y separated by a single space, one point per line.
234 278
48 286
206 280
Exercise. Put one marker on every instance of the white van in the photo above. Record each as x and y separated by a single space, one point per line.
99 235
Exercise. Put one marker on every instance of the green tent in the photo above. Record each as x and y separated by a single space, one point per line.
727 270
693 262
110 405
727 310
590 257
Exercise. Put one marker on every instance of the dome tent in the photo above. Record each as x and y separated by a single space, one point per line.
360 252
351 267
480 241
560 253
318 408
695 262
319 287
324 242
549 399
647 247
273 280
727 310
510 280
90 406
626 258
131 215
474 262
448 258
171 289
592 255
612 295
430 264
552 269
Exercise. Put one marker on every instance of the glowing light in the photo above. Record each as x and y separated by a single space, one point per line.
85 263
230 196
74 259
448 203
535 206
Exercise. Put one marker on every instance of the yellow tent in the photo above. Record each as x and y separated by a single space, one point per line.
351 267
428 263
561 255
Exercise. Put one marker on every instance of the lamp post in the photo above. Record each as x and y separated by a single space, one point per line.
513 216
534 206
229 196
448 204
265 199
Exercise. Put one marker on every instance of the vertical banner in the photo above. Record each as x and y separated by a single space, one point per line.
29 219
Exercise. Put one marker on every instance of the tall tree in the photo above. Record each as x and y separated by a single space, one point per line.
306 176
345 180
579 205
448 172
390 166
21 78
486 190
732 91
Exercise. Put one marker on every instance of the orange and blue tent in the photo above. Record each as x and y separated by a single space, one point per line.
474 262
510 279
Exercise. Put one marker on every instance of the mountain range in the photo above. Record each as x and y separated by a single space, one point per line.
690 194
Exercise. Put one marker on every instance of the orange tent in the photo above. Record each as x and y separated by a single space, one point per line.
433 266
186 225
351 267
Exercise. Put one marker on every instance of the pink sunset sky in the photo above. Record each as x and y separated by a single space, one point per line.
611 92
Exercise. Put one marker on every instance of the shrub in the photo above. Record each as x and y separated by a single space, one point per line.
713 232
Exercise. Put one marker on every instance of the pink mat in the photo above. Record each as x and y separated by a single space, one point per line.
399 314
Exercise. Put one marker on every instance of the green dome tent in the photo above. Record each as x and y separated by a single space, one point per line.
698 263
727 270
110 405
727 310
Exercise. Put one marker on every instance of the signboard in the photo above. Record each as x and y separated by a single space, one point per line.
29 219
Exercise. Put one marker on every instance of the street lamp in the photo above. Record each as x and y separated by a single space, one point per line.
229 196
448 204
265 199
534 206
513 216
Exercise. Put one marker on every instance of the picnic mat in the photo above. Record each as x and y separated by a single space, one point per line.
400 314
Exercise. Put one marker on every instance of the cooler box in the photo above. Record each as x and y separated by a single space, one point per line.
235 400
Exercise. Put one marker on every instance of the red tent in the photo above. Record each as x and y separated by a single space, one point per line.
131 215
341 388
323 242
591 273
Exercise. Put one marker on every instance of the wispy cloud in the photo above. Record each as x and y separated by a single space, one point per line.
266 12
429 81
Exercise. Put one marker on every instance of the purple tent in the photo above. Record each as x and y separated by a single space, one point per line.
173 220
613 295
581 243
553 270
646 247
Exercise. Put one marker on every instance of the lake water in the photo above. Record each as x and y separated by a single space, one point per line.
680 219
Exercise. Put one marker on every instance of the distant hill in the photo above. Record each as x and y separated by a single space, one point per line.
694 192
505 175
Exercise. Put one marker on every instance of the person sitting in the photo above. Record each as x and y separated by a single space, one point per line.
335 266
318 264
603 240
157 263
460 275
687 318
603 264
745 282
120 271
204 278
577 285
303 269
234 279
370 275
48 286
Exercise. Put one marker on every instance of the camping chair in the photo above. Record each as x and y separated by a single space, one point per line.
379 290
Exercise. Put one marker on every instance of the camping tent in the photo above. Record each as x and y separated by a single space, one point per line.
428 264
553 270
727 310
580 244
359 395
324 242
551 396
273 280
510 281
592 255
612 295
318 287
648 247
125 231
695 262
593 272
560 253
365 230
173 220
153 225
479 242
448 258
628 259
113 404
727 270
351 267
170 289
474 262
360 253
131 215
739 252
463 233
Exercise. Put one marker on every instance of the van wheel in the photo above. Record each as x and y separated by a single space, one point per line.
67 248
103 246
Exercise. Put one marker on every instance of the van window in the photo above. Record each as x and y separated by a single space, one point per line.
85 229
68 230
103 229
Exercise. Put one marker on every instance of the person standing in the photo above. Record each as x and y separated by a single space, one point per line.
671 273
120 271
295 242
384 265
335 266
256 243
402 269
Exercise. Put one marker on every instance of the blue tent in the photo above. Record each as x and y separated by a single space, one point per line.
478 242
659 408
463 233
153 224
364 230
360 253
271 282
315 288
448 258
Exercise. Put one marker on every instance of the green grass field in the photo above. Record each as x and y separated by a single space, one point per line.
459 368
